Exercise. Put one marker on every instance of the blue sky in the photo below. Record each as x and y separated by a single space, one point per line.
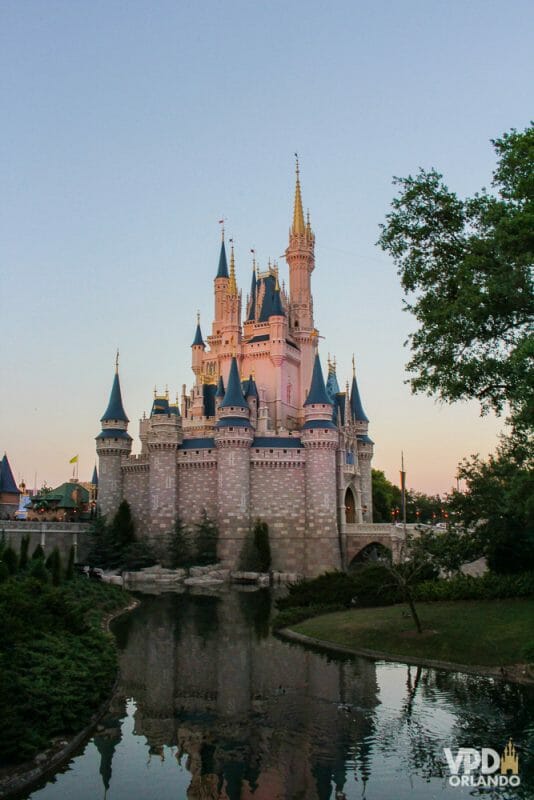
129 128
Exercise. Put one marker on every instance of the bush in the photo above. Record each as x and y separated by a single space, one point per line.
38 554
69 572
490 586
53 565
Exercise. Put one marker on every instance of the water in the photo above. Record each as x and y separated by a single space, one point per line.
210 706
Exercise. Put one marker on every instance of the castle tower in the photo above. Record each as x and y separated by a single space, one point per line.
231 322
198 347
112 444
300 257
365 447
220 288
320 439
233 438
164 436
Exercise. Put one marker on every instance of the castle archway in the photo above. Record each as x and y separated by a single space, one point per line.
374 553
350 506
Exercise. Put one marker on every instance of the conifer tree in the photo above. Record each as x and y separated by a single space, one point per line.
206 540
23 555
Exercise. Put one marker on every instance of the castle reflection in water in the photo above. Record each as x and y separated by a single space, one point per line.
256 717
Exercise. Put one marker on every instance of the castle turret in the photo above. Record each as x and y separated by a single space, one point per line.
164 436
112 444
320 439
233 438
300 257
231 322
198 347
221 286
365 447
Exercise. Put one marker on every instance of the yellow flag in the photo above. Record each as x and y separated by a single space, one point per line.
74 460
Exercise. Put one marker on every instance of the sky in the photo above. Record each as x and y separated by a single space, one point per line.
130 128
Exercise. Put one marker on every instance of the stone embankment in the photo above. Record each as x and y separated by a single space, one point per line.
212 575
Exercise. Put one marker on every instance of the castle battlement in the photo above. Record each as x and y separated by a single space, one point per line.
260 434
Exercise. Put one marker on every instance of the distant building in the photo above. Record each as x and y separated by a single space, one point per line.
260 435
69 502
9 491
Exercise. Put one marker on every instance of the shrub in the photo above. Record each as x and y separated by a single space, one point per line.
38 571
490 586
292 616
10 559
69 572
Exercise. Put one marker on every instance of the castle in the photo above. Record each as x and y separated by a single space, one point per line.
260 435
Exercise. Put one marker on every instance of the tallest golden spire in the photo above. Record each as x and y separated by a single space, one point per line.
298 214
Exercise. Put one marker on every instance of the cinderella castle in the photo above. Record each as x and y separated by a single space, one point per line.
259 435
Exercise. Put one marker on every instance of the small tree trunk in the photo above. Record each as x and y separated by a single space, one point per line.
409 599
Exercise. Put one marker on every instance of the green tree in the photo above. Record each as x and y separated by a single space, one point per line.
206 540
256 552
69 571
10 559
179 546
23 555
98 543
386 497
497 508
53 565
466 269
38 554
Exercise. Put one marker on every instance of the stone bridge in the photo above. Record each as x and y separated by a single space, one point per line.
359 536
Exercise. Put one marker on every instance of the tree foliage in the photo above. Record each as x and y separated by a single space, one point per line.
497 508
420 507
466 267
179 547
256 553
115 546
206 537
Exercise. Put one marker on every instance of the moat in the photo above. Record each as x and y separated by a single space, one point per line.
212 706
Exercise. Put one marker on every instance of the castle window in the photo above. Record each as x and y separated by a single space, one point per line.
230 429
271 451
285 451
196 452
257 451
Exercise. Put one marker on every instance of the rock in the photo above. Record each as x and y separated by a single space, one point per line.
245 577
264 580
40 758
219 574
202 580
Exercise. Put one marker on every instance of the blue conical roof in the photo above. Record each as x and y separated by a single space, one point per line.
253 287
332 386
220 387
234 393
94 479
358 414
317 393
115 409
7 481
198 337
222 271
277 310
251 389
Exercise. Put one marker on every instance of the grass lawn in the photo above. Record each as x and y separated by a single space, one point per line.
481 632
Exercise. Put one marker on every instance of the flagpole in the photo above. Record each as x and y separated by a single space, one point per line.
403 495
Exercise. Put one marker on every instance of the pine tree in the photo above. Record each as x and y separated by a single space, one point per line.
69 572
10 559
206 540
53 565
23 555
38 553
179 546
121 535
262 546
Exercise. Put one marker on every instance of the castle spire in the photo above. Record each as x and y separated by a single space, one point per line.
198 340
298 214
222 271
317 394
356 407
253 288
232 286
234 392
115 409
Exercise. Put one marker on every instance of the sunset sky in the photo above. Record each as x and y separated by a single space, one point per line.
129 129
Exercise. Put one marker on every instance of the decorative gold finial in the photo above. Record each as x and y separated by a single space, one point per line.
198 317
276 284
232 285
335 363
298 214
221 223
117 362
167 391
353 366
328 361
155 391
